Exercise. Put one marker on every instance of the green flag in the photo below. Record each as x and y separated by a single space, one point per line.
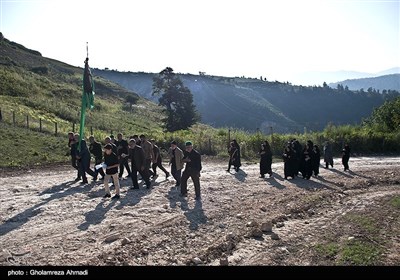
87 99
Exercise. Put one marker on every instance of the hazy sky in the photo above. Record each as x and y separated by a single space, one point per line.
275 39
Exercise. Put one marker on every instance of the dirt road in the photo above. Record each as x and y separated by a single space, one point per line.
48 219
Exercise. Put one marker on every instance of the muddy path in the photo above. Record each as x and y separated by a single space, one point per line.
48 219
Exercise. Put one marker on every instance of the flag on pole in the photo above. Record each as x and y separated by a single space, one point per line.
87 98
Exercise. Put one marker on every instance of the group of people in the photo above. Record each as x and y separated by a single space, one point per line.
297 158
144 156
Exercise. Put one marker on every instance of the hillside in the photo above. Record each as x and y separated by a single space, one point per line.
253 104
41 90
381 83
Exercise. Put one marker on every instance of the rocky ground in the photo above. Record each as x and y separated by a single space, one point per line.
337 218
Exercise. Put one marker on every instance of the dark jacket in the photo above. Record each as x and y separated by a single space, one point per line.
95 149
346 152
137 157
74 149
84 153
195 160
122 147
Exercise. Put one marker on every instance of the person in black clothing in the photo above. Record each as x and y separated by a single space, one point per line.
122 148
237 161
74 152
157 161
316 159
192 169
71 138
136 155
307 159
84 157
289 159
96 150
346 157
108 140
265 159
234 158
298 149
137 139
111 161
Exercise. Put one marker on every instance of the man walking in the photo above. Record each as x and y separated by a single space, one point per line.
96 150
111 161
122 148
137 156
192 169
157 162
176 156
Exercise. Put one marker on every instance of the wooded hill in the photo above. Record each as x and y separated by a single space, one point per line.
381 83
255 104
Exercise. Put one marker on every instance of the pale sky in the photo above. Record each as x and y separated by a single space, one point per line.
275 39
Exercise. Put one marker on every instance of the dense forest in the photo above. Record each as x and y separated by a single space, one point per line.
260 105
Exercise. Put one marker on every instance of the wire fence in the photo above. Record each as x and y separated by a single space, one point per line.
40 124
212 143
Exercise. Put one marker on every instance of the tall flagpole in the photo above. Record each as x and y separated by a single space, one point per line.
84 100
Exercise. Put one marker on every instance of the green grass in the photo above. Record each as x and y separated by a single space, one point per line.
364 223
395 202
328 251
23 147
360 252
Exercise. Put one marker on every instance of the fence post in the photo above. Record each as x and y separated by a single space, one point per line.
14 118
73 127
229 137
27 121
1 116
209 146
91 130
55 128
40 125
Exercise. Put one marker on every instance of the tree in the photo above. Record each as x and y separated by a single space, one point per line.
176 99
387 116
131 99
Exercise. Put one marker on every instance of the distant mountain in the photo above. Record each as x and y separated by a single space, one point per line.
394 70
253 104
319 77
330 77
386 82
